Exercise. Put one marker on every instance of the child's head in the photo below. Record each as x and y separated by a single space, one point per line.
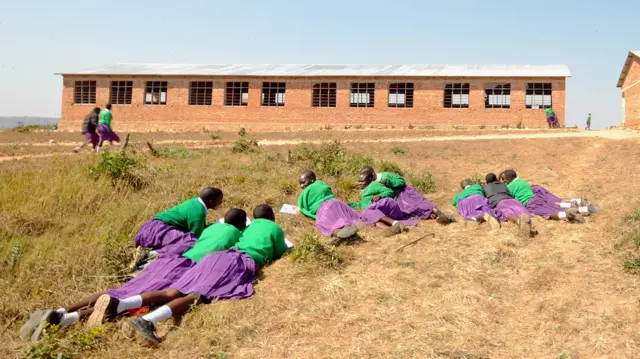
509 176
211 196
367 169
264 211
108 106
466 183
366 176
96 110
236 217
306 178
491 177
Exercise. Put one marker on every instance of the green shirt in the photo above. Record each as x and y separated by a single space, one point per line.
589 118
216 237
374 188
105 118
549 112
520 190
263 241
312 197
189 216
469 191
394 181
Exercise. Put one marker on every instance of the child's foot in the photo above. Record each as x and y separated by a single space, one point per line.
144 329
397 228
30 326
493 220
524 226
49 317
105 308
588 210
347 232
444 219
77 149
573 216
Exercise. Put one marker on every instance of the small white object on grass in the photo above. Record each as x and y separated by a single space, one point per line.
289 209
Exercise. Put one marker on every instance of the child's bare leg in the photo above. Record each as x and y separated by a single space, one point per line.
85 302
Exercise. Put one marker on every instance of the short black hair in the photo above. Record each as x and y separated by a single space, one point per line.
465 182
96 110
309 174
208 194
264 211
367 169
108 106
236 217
510 175
491 177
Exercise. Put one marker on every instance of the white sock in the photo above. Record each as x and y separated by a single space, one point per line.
61 310
98 149
129 303
565 204
69 318
562 215
577 201
162 313
584 211
394 223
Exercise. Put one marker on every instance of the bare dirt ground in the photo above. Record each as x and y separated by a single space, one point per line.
466 293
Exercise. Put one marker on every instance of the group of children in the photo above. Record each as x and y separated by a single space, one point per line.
196 264
96 128
199 263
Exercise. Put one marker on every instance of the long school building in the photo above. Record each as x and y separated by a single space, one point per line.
156 97
629 84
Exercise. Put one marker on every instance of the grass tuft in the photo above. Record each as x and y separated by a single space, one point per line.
309 250
423 182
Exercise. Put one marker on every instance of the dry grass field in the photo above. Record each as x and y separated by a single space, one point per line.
465 292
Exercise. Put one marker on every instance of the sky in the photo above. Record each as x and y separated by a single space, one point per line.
39 38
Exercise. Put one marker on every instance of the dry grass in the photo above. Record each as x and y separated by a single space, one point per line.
465 293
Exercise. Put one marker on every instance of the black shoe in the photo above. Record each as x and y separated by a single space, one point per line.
444 219
145 329
573 216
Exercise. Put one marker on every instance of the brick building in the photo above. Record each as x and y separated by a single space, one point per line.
629 83
151 97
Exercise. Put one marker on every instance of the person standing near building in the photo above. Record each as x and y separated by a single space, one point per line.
588 128
104 128
89 130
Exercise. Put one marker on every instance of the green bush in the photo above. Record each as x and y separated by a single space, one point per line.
398 150
424 182
330 159
386 166
309 250
118 167
244 146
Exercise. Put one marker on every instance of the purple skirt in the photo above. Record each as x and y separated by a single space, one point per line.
386 207
334 214
413 204
156 234
510 208
92 137
474 206
542 192
542 207
220 275
160 274
106 134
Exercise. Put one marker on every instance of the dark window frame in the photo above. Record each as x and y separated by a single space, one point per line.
156 88
534 89
401 88
503 93
454 89
324 94
359 92
200 93
272 92
84 92
121 92
234 92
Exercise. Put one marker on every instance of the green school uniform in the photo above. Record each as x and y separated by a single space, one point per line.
520 190
216 237
189 216
394 181
263 241
313 196
374 188
469 191
105 118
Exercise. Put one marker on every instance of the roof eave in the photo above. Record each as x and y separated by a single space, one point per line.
625 68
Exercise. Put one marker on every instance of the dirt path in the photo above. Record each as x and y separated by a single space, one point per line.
612 135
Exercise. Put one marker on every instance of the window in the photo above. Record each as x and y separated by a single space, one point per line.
456 95
200 93
155 93
363 94
401 95
121 92
497 95
538 95
236 94
84 92
324 95
273 93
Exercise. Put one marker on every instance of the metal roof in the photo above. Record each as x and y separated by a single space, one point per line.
418 70
627 64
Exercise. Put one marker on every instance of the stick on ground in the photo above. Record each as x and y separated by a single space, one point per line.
415 241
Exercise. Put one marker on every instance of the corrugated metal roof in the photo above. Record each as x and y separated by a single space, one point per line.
330 70
625 68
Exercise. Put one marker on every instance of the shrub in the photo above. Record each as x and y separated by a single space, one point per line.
119 168
244 146
386 166
424 182
398 151
330 159
309 250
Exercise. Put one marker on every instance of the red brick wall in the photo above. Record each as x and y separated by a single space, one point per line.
298 114
631 93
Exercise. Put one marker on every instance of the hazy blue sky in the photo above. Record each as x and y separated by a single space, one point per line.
41 37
